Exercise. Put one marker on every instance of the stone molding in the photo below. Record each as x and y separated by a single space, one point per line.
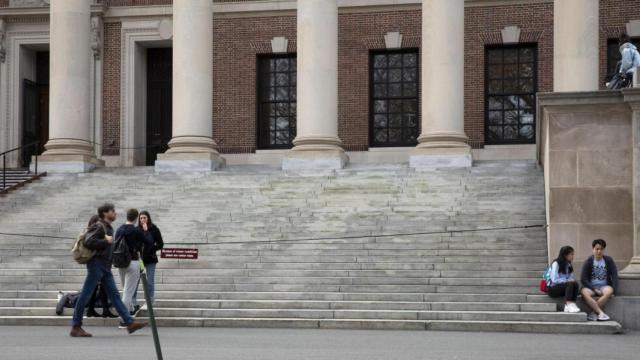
633 28
97 27
393 40
133 34
279 45
266 46
511 35
379 42
496 37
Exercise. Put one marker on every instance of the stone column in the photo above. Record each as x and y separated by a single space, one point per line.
442 142
191 147
317 145
69 148
576 48
632 97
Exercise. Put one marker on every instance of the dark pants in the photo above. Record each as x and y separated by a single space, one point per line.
99 293
97 272
569 290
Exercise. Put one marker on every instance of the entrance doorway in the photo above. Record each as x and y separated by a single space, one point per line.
159 90
35 108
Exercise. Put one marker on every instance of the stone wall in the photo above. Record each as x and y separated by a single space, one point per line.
586 150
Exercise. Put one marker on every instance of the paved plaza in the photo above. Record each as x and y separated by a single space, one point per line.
31 343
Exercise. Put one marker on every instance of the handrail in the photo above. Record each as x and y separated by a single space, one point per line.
4 161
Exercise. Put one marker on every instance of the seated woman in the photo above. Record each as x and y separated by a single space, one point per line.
563 282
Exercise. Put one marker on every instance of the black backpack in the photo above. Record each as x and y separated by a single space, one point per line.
121 254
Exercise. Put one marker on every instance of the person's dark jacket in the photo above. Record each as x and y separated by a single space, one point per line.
150 246
612 273
95 240
134 238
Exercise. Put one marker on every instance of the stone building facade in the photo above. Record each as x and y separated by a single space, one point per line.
505 58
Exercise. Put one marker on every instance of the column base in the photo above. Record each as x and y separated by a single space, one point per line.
189 162
423 159
632 271
70 163
315 153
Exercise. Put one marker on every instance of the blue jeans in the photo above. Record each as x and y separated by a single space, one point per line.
97 272
150 270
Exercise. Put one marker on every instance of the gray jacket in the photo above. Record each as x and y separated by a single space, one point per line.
630 58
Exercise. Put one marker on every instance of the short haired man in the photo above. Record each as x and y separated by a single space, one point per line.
130 275
599 278
100 238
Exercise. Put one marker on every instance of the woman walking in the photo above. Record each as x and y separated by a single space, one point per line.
563 282
152 243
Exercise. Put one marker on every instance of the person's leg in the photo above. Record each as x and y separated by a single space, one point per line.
90 283
113 294
151 280
587 296
91 306
132 277
571 292
607 293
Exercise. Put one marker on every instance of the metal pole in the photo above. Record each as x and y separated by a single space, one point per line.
4 172
37 151
152 319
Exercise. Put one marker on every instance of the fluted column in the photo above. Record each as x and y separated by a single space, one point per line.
575 45
442 142
317 145
69 148
192 147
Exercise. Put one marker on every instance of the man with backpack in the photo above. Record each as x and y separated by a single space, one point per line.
99 238
126 257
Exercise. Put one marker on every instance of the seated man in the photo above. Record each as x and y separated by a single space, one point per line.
600 279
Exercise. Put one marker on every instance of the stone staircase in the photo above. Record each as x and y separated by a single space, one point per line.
12 179
371 247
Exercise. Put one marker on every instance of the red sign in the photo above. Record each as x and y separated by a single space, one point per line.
179 253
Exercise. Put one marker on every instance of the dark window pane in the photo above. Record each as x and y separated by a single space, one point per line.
410 120
527 132
380 106
272 123
495 133
526 117
495 87
510 86
380 61
282 137
510 132
495 103
495 56
510 56
395 135
395 75
495 71
410 60
526 85
380 135
282 64
527 102
293 78
410 106
526 54
282 109
495 117
380 120
510 102
282 79
282 123
409 74
410 89
526 70
380 90
395 106
395 120
511 71
511 117
380 75
282 93
395 60
395 90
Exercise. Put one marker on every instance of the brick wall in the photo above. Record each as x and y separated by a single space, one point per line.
483 27
111 89
237 41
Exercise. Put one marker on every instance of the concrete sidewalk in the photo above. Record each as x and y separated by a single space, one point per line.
21 343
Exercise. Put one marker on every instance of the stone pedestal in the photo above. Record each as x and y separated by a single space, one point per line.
317 145
69 148
443 141
192 147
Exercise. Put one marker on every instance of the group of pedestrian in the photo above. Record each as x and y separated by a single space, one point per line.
140 239
599 280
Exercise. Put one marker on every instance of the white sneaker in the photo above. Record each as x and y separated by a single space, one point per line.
571 308
603 317
592 317
144 307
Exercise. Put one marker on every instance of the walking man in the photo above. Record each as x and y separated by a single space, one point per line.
100 238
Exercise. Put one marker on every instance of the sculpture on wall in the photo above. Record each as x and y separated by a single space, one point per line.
96 35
